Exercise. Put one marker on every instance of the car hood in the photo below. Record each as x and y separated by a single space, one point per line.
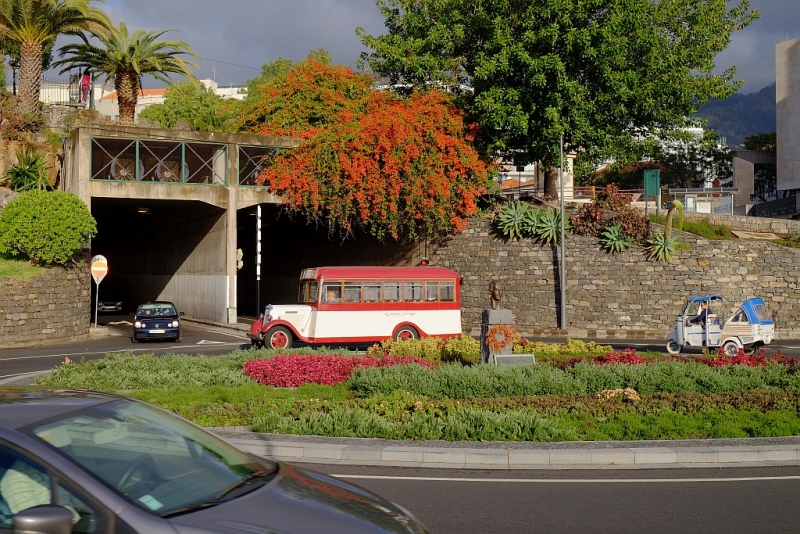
298 501
156 317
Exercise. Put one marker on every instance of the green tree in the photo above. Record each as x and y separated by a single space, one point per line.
35 23
190 104
597 72
282 66
126 57
46 227
765 185
689 161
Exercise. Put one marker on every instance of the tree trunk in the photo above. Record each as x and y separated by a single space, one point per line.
552 185
127 86
30 78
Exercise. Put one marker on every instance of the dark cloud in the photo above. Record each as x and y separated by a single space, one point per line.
236 37
236 34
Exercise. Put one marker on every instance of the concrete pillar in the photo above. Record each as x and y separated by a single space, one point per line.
231 245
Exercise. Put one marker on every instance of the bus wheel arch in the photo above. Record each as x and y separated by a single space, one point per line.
405 332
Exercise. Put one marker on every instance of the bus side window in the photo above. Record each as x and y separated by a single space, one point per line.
392 292
447 292
352 291
332 293
431 291
413 291
372 292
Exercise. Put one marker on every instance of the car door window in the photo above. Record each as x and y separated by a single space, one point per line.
25 484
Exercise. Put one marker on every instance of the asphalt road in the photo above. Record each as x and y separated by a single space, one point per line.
194 340
724 500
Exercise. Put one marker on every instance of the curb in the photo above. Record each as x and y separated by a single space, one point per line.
748 452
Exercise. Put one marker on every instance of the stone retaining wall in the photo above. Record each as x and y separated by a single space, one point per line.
749 223
617 296
52 307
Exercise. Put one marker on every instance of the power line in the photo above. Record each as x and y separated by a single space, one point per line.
231 64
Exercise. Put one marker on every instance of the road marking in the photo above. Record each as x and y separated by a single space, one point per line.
207 342
237 336
571 481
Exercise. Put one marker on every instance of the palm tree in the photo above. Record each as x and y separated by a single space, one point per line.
125 57
33 23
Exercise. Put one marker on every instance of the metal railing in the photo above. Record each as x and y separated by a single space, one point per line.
61 91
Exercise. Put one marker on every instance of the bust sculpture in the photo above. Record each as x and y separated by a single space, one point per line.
495 293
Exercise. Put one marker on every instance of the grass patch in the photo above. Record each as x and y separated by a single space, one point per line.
793 241
703 228
19 269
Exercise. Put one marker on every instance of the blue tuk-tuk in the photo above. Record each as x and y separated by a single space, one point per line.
748 327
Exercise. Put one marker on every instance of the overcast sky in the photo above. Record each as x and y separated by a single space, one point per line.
236 37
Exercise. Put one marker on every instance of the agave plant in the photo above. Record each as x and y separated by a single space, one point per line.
661 247
530 220
512 219
614 240
548 228
673 207
28 173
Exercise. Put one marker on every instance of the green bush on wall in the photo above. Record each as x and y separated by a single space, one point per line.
46 227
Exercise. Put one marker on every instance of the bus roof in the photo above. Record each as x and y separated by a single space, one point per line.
376 272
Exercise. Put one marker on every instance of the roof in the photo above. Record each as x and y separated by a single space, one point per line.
378 272
144 93
25 405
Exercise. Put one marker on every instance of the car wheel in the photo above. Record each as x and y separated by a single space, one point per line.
406 333
673 347
278 337
730 348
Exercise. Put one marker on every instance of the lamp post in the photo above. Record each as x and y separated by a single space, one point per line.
14 66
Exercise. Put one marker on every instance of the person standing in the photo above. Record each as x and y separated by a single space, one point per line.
86 84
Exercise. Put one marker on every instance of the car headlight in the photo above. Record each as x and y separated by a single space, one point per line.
137 324
175 324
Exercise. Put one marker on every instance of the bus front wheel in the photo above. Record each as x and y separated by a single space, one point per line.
406 333
278 337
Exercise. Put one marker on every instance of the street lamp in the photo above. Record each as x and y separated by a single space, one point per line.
14 66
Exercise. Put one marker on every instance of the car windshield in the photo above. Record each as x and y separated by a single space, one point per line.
152 458
156 310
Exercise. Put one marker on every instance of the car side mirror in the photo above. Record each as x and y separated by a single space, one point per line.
45 519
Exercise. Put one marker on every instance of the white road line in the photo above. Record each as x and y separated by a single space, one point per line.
567 481
237 336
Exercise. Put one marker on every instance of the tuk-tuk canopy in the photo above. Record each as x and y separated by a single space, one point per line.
756 310
707 298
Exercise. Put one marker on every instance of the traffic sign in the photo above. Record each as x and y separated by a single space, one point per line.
99 268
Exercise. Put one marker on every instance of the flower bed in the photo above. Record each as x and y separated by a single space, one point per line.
294 370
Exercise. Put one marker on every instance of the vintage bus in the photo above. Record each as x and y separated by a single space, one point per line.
360 305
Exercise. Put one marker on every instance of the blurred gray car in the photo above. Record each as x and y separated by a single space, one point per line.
89 462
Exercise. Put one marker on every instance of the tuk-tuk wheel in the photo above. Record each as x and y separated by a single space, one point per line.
730 348
673 347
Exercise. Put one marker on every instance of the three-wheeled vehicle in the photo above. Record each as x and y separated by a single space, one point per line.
747 328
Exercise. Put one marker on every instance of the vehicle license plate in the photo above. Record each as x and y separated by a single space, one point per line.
158 331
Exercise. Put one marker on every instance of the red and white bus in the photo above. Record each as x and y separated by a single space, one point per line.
340 305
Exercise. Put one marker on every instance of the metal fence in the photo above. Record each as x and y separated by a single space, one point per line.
61 91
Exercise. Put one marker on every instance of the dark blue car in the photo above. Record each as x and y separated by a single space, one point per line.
157 320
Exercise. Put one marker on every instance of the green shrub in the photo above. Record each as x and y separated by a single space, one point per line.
548 227
429 348
46 227
462 349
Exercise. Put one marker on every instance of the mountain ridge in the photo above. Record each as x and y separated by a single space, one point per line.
741 115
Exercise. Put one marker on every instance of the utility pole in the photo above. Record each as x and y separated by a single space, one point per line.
563 254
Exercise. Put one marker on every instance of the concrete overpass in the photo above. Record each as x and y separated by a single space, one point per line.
169 205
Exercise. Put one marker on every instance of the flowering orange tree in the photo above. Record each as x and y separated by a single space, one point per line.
391 166
305 100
